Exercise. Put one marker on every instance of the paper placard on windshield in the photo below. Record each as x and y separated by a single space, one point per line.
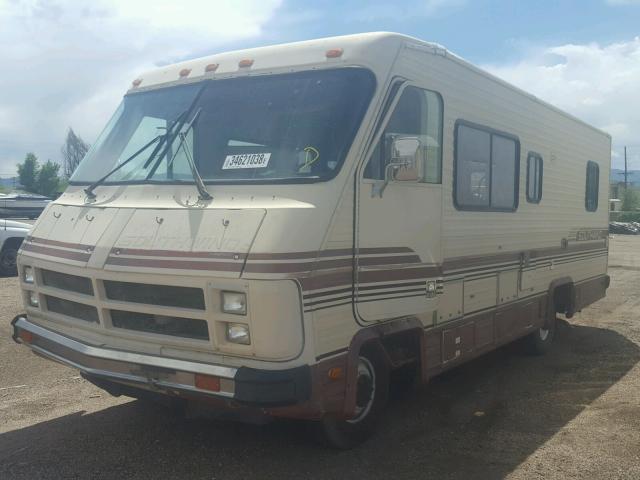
246 160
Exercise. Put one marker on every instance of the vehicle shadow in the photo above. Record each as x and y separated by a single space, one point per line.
481 420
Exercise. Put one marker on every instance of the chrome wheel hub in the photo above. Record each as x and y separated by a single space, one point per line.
365 390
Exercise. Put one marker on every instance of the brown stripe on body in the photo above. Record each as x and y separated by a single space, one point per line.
299 267
381 294
175 264
457 263
55 252
399 274
327 280
339 279
349 289
336 252
57 243
550 251
177 253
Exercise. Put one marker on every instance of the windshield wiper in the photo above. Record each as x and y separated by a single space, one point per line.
89 190
202 191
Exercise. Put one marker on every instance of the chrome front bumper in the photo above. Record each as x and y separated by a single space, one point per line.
166 375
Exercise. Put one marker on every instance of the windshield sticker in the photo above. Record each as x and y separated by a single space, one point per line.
246 160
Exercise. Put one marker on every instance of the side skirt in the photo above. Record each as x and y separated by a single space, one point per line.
457 342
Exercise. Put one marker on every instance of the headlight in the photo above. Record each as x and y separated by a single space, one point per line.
33 299
27 274
238 333
234 302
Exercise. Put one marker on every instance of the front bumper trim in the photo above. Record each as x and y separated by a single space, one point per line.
244 385
21 322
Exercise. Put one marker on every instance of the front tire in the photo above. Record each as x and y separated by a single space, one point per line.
8 262
371 398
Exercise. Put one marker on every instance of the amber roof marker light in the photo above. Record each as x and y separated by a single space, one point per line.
245 62
136 83
185 72
334 53
212 67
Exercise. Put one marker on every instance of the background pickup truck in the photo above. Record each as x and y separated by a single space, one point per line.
11 236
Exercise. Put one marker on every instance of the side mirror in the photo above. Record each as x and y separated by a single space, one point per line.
403 165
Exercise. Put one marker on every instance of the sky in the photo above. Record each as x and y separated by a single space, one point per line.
67 63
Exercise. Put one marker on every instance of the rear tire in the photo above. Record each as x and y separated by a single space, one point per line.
8 263
371 399
541 341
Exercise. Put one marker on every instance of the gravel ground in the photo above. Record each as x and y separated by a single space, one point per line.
574 413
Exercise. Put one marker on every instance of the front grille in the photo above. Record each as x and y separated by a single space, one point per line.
168 296
64 281
161 324
72 309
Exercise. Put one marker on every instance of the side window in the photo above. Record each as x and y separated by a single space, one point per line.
486 169
418 113
593 181
534 177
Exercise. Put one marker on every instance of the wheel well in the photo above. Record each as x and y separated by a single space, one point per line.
402 348
13 242
563 299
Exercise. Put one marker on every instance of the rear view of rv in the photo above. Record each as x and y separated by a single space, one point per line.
288 228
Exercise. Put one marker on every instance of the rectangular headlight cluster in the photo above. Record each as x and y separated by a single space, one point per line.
238 333
34 300
234 302
27 274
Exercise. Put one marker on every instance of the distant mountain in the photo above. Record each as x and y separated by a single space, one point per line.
633 176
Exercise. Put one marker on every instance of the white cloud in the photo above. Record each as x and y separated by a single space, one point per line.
65 63
597 83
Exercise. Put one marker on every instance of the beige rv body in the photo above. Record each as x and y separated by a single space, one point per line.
328 266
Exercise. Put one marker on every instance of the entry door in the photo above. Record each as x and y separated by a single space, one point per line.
398 251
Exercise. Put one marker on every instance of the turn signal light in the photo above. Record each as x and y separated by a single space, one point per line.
25 336
207 382
335 373
247 62
334 53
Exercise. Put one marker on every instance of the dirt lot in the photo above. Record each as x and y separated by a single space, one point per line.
572 414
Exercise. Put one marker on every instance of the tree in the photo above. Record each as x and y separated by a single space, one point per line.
73 151
630 200
48 180
28 172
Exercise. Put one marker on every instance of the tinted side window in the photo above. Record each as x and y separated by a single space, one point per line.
418 113
486 169
534 177
593 181
473 167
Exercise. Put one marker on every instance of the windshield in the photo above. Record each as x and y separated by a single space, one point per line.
288 127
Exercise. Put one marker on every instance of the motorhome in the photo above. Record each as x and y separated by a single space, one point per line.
287 230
